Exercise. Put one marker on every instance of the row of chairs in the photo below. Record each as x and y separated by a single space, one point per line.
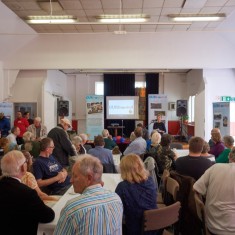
167 214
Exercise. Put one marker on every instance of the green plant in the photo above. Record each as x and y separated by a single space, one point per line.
185 117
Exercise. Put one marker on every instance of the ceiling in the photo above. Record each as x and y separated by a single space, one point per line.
87 10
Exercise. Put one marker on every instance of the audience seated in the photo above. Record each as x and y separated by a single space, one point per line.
104 155
77 144
132 136
30 144
48 172
84 141
205 150
96 210
217 185
228 142
144 130
20 206
211 142
193 165
15 131
38 130
149 140
218 146
137 192
29 179
138 145
108 140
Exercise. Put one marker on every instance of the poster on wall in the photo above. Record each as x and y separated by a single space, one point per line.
94 115
157 104
221 117
7 109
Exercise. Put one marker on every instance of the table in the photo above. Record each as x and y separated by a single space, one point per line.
110 182
185 152
116 129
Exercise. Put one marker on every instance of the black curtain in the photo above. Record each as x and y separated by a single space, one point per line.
152 87
119 85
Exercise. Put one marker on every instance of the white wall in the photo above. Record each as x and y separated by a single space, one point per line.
218 83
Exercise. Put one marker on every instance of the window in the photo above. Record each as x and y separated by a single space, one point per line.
191 107
99 88
140 84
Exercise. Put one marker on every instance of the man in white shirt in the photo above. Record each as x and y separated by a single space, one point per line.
217 184
15 131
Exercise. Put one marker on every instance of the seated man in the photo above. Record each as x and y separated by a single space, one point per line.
38 130
96 210
138 145
48 171
109 143
105 155
217 184
84 138
193 165
20 206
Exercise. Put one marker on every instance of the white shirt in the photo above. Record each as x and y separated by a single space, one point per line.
218 184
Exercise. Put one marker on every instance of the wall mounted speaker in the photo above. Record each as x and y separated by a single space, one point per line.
181 108
63 108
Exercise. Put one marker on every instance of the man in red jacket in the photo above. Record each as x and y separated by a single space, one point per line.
23 124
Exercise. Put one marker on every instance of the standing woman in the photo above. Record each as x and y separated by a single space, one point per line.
159 125
137 192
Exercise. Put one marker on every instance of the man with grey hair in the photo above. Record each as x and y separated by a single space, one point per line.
228 143
96 210
38 130
138 145
20 206
217 185
84 141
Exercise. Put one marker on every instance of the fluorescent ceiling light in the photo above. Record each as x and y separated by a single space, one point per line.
51 19
196 17
122 18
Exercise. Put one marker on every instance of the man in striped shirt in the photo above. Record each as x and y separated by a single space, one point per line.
96 211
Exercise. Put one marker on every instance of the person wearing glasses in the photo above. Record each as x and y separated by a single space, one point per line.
49 173
18 202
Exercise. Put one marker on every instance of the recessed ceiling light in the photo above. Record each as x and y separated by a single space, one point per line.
197 17
123 18
51 19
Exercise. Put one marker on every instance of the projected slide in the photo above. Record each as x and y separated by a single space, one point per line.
121 107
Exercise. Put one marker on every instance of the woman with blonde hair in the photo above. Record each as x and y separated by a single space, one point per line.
137 192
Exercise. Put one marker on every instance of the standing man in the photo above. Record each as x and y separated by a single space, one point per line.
4 126
38 130
63 146
20 206
23 124
193 165
48 171
96 210
217 185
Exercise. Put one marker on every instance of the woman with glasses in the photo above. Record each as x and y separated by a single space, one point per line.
30 180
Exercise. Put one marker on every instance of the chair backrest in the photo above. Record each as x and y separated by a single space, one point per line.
200 207
176 146
161 218
172 187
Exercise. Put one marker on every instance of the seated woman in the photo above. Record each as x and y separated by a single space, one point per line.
137 192
29 180
218 146
165 156
155 144
228 142
205 150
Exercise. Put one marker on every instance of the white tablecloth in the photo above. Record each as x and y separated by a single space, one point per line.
110 183
185 152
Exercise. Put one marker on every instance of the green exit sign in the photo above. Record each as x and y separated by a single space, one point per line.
227 98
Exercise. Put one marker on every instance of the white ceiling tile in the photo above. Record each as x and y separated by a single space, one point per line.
110 3
163 30
210 10
180 27
199 24
230 3
69 30
227 10
128 27
147 30
82 27
164 26
111 11
94 12
67 27
91 4
170 10
209 29
190 10
152 11
77 13
73 5
214 3
132 3
153 3
147 26
173 3
99 27
132 11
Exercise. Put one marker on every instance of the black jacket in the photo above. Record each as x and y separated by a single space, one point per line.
21 208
